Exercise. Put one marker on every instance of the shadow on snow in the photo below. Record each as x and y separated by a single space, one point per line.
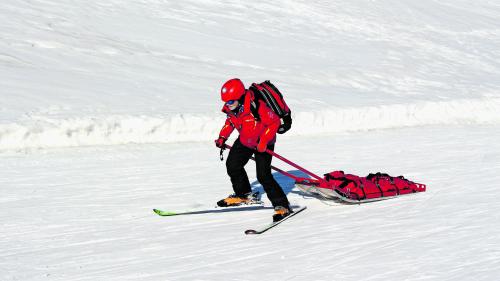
286 183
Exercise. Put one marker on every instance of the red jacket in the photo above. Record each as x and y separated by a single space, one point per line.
252 130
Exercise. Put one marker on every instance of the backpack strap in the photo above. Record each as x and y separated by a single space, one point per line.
254 108
247 102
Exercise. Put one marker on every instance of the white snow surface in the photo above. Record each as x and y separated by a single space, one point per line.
108 109
116 72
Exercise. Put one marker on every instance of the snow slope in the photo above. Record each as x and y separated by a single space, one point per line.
102 73
109 109
85 214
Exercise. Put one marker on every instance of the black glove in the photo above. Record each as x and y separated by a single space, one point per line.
220 142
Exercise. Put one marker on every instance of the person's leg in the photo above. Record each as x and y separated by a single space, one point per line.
264 176
238 157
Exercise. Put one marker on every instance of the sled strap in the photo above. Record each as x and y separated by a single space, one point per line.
379 188
282 172
288 162
294 165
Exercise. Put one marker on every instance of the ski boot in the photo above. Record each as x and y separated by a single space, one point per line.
281 212
234 200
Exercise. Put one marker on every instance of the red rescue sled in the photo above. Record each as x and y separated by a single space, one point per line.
350 188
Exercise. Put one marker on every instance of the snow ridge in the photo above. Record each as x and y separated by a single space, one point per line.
46 132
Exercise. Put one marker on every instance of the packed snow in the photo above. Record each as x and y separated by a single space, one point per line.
109 109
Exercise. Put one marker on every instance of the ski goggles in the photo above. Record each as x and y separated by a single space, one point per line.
231 102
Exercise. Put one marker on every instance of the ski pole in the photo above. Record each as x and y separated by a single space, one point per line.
288 162
272 167
294 165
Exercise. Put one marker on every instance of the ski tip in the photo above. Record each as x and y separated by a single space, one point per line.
250 231
164 213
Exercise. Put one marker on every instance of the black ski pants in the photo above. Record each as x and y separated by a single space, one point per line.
238 157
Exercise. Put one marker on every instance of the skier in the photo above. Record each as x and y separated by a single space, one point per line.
257 125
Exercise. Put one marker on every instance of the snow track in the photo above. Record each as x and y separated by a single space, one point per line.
86 213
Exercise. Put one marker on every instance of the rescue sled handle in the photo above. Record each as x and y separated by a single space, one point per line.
289 163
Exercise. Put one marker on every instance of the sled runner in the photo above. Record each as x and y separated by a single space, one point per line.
350 188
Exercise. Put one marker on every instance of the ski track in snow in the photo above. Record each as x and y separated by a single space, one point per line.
86 213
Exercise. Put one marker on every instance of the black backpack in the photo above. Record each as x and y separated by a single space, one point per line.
273 98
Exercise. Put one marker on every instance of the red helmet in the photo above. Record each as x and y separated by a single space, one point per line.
232 90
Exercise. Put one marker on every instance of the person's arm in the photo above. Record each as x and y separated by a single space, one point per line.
224 134
271 123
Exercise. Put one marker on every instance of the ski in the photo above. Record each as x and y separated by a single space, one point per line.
271 225
210 211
